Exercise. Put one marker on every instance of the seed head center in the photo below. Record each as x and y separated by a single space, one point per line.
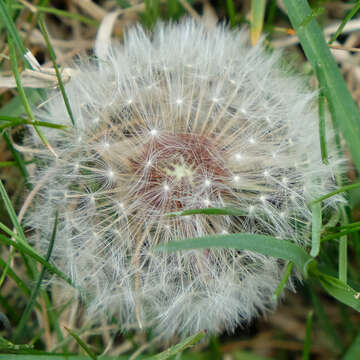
171 169
180 171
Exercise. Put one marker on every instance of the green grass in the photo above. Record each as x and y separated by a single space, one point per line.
328 265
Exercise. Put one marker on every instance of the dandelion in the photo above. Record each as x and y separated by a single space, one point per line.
192 118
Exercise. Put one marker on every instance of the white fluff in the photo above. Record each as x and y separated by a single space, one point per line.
192 118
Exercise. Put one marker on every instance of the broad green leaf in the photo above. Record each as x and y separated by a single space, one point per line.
342 107
266 245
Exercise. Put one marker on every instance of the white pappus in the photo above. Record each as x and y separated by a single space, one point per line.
190 118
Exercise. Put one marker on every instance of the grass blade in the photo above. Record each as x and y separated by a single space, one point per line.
337 289
337 191
12 213
59 12
18 159
321 111
10 118
11 273
25 316
54 319
178 348
354 10
343 259
58 75
263 244
11 28
4 164
256 19
14 107
26 249
307 342
344 111
20 121
316 229
14 67
211 211
354 350
283 281
340 234
82 344
324 321
315 12
231 11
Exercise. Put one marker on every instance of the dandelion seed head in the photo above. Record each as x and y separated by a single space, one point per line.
110 174
207 202
170 155
263 198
